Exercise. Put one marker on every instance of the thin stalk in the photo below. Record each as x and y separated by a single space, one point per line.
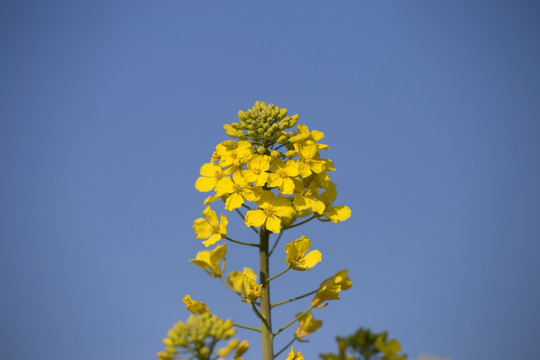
244 218
247 327
240 242
285 347
281 273
300 223
294 299
293 321
275 244
267 337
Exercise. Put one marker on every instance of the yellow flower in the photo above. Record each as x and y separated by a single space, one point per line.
282 174
389 348
326 293
307 325
236 280
195 307
294 356
296 254
258 166
253 291
336 214
330 288
210 227
236 191
341 278
211 175
270 210
305 198
209 260
305 135
233 153
308 161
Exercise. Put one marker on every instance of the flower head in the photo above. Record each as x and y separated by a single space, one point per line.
209 227
209 260
296 254
307 325
195 307
271 209
294 356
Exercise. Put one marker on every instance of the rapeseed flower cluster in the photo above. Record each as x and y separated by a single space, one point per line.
198 337
272 173
276 174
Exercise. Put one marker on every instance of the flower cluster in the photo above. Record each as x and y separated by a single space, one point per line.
279 176
197 337
273 175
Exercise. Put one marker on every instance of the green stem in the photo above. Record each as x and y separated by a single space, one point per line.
293 321
247 327
244 218
281 273
275 244
240 242
285 347
294 299
266 321
300 223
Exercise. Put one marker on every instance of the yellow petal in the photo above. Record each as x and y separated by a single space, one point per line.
255 218
210 170
234 201
212 240
205 184
310 260
202 229
211 216
195 307
273 223
225 186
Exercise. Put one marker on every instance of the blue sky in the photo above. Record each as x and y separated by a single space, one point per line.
430 108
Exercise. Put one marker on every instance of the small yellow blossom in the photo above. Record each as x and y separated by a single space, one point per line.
271 209
237 190
330 288
326 293
235 153
306 198
308 161
209 227
236 280
294 356
257 169
336 214
211 175
390 348
341 278
195 307
304 135
307 325
282 175
209 260
253 291
296 254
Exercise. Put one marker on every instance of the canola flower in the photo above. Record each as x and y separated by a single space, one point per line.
275 177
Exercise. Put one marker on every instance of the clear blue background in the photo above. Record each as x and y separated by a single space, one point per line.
431 109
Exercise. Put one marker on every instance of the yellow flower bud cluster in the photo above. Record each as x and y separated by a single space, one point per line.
197 337
262 125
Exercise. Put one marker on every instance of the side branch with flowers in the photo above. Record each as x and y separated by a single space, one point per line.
273 176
